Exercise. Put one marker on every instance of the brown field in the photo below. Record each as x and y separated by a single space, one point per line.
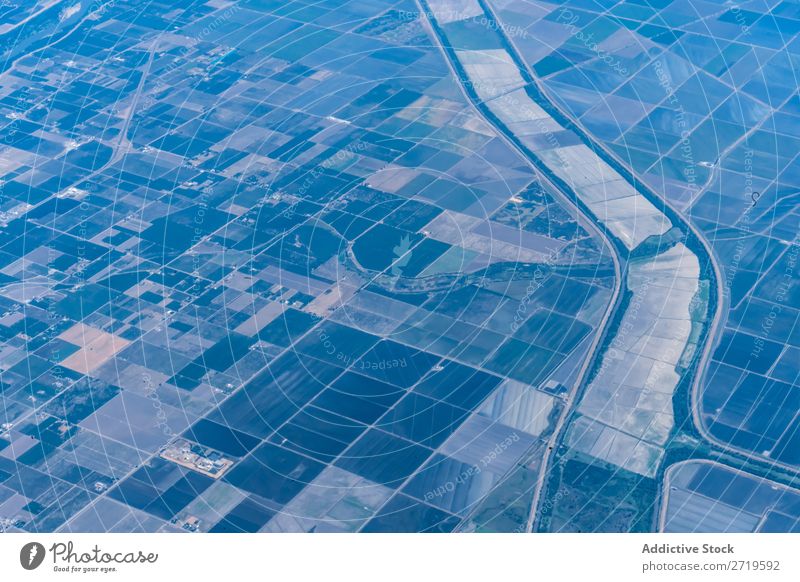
97 347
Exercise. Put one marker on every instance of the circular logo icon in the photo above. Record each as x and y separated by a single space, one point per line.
31 555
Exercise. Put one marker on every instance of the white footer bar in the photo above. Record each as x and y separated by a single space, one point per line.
400 557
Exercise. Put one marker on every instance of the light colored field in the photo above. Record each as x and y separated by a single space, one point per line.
519 406
493 73
97 347
631 396
447 11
